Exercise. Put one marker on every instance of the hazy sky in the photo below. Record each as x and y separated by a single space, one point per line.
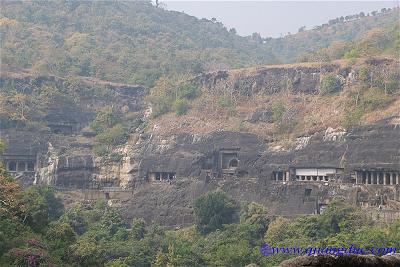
273 18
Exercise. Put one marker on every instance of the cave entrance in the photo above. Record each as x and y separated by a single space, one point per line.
228 158
233 163
161 176
30 166
12 166
307 192
21 166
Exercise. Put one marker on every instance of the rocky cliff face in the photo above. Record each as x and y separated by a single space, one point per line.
166 172
61 149
300 78
190 157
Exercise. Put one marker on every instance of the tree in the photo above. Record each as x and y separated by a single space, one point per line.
21 106
330 84
35 254
42 207
373 41
255 214
301 29
278 110
111 221
232 30
109 137
117 262
256 37
172 93
278 231
105 118
213 210
138 229
336 49
11 204
75 217
60 236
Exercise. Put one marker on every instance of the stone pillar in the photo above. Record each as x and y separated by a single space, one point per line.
374 178
397 179
366 178
391 178
369 178
378 178
276 177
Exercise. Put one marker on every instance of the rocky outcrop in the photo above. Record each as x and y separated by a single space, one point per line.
300 78
85 95
188 154
166 172
59 146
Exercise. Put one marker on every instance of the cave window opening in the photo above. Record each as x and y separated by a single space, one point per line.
161 176
12 166
21 166
233 163
307 192
31 166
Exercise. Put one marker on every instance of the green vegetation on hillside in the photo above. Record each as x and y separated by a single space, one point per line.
110 130
36 231
172 93
136 42
35 105
330 37
375 42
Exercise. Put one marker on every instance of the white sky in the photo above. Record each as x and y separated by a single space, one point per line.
273 18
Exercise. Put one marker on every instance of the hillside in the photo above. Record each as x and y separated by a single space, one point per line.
136 42
293 47
135 136
133 41
283 102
